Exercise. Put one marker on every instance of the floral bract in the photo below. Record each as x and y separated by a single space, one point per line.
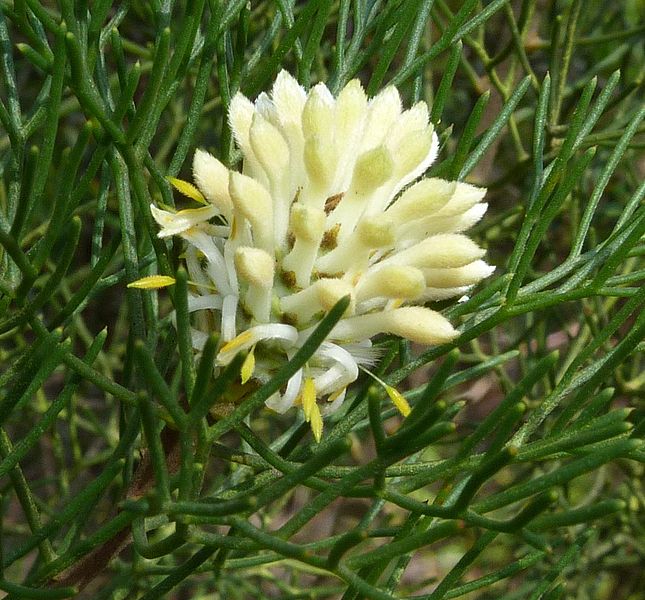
328 204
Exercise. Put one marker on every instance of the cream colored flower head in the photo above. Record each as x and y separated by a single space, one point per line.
330 203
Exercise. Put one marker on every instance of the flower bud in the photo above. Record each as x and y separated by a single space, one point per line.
288 97
270 148
396 281
375 232
240 117
412 151
439 251
421 200
464 198
350 111
382 111
320 161
459 276
253 202
415 323
318 113
211 177
373 168
307 223
255 266
319 296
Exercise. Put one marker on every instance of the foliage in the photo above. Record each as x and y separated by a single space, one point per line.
518 473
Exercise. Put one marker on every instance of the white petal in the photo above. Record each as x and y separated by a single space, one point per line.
274 402
332 407
206 302
195 271
229 316
343 372
198 338
216 265
282 403
253 335
174 223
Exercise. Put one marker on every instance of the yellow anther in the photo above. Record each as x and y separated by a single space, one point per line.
397 397
187 189
152 282
246 372
335 395
309 398
316 423
398 400
236 342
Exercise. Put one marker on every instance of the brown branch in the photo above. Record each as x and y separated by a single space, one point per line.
85 570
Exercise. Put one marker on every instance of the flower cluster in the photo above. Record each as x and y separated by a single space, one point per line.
328 204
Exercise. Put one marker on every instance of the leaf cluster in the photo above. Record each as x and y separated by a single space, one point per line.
128 471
